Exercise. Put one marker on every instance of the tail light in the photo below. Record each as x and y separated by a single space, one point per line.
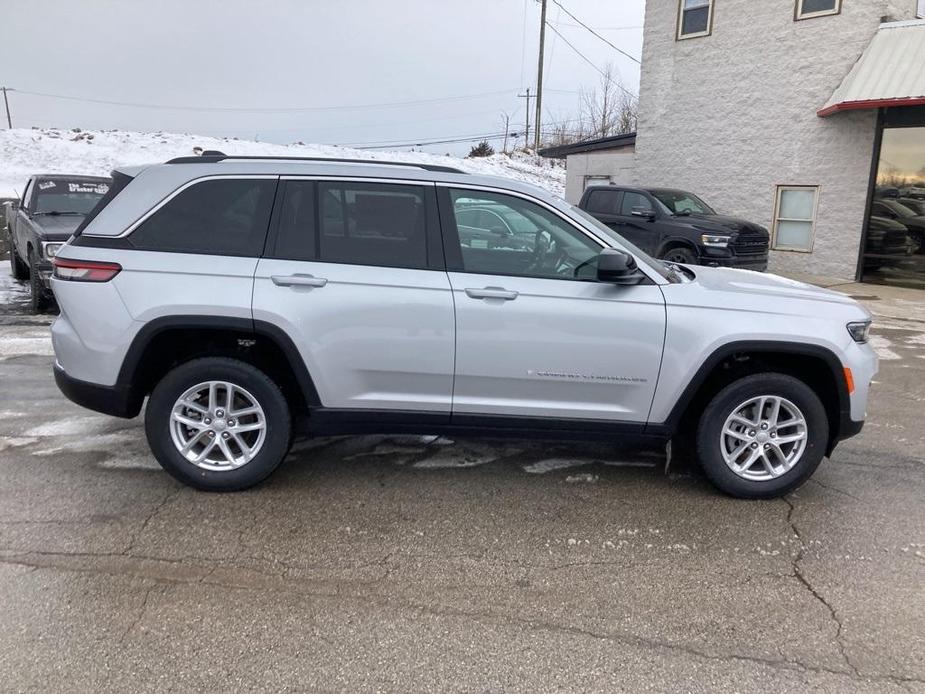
85 270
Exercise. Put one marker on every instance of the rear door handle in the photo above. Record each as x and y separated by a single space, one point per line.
491 293
298 281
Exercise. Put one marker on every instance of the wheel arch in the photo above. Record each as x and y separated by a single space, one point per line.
676 242
815 365
169 341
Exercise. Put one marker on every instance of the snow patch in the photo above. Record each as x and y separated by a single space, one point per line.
7 442
23 152
882 347
73 426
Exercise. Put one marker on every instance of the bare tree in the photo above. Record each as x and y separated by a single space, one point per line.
609 109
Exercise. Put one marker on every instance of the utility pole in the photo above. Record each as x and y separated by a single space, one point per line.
507 126
6 103
539 76
527 96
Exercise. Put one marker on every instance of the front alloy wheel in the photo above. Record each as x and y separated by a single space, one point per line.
762 436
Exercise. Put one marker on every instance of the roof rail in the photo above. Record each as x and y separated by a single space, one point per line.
211 156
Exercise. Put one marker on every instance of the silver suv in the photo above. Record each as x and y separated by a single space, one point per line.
251 299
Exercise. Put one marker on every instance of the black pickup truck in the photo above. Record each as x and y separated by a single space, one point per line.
678 226
52 207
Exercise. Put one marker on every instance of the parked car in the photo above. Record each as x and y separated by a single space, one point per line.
914 223
678 226
914 204
53 206
887 243
917 192
249 298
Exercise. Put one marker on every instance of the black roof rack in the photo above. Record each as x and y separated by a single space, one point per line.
211 156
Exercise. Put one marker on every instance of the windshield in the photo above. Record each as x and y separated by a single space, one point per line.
609 233
68 197
680 202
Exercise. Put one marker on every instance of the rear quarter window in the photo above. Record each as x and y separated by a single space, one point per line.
603 201
214 217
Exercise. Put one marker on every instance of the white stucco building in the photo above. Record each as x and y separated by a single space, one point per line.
783 112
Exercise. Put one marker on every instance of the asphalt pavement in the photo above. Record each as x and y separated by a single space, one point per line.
430 564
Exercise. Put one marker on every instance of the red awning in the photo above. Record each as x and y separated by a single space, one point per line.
890 71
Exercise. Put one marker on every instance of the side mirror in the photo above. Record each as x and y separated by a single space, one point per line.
617 267
645 212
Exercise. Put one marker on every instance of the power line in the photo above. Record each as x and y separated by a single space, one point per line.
618 50
591 63
261 110
626 28
420 143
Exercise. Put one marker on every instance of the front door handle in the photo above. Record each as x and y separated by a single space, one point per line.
491 293
298 281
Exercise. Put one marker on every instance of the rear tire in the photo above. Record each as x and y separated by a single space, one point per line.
39 299
18 269
685 256
785 453
222 436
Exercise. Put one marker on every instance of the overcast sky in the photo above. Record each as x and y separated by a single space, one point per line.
462 61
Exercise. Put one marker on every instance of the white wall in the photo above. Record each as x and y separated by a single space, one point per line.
732 115
617 164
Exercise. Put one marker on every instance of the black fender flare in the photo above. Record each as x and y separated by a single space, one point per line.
132 361
844 425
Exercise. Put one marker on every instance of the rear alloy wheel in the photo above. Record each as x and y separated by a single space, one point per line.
218 424
762 436
684 256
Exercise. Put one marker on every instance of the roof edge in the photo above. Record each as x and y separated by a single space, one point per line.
611 142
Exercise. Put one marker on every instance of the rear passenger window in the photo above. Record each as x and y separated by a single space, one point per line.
372 224
215 217
603 201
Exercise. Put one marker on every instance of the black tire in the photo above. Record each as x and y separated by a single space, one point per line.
18 269
267 394
714 417
39 300
682 255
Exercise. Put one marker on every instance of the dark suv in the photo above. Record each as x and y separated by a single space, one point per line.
678 226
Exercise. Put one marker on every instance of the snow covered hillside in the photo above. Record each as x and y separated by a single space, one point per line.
24 152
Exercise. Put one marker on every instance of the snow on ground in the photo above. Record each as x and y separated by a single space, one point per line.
47 150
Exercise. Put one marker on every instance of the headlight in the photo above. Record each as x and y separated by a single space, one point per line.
50 249
859 331
714 240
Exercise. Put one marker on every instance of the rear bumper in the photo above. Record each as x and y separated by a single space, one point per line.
117 400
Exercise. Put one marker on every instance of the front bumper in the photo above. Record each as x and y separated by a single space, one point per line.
117 400
746 262
45 270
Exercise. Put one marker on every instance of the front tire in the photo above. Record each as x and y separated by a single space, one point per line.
762 436
218 424
39 300
684 256
18 269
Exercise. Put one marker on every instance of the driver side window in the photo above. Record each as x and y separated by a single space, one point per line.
506 235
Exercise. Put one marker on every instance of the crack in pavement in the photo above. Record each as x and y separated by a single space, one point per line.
342 589
141 613
801 577
170 496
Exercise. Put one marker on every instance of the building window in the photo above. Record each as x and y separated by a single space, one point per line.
795 218
596 181
806 9
695 18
